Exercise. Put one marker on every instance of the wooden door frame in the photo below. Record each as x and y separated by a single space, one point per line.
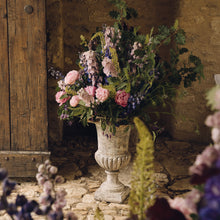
24 119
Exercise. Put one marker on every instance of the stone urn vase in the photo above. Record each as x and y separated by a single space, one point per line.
112 154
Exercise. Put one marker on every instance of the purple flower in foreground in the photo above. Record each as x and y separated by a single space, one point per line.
8 186
212 188
3 173
211 211
20 200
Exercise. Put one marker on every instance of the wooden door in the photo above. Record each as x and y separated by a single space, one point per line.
23 86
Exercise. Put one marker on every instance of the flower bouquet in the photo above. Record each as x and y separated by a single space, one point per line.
121 73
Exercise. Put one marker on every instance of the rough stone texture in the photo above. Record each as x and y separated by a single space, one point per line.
201 22
80 190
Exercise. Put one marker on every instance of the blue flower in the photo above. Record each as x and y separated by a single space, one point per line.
107 53
8 186
20 200
3 173
218 163
211 211
212 188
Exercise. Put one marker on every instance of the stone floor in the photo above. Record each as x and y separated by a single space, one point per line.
76 163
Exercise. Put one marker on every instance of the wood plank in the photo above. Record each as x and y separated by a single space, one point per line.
28 76
4 80
24 161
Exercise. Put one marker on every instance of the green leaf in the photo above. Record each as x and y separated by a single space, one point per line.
176 24
194 59
180 37
114 14
139 52
142 183
163 30
183 50
131 13
76 111
194 216
64 96
167 41
103 124
136 29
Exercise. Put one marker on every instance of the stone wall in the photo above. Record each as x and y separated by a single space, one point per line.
68 19
201 22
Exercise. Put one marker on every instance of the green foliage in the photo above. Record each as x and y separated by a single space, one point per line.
142 184
83 41
194 217
123 10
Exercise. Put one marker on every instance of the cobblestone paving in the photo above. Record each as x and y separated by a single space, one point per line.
83 176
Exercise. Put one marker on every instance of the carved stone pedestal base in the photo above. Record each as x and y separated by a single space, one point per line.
112 155
112 190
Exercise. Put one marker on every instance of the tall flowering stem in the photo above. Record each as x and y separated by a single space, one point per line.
51 202
142 185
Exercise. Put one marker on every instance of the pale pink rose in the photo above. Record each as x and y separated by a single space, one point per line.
102 94
181 205
216 119
209 121
207 158
217 147
58 97
122 97
109 68
216 135
74 101
91 90
192 198
71 77
209 155
213 120
85 97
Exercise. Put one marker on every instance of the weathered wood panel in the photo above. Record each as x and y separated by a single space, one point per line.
22 163
28 78
4 80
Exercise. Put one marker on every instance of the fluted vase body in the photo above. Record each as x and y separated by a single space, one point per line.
112 155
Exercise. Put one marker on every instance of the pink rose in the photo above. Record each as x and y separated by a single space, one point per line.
102 94
71 77
209 121
58 97
74 101
213 120
91 90
122 97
